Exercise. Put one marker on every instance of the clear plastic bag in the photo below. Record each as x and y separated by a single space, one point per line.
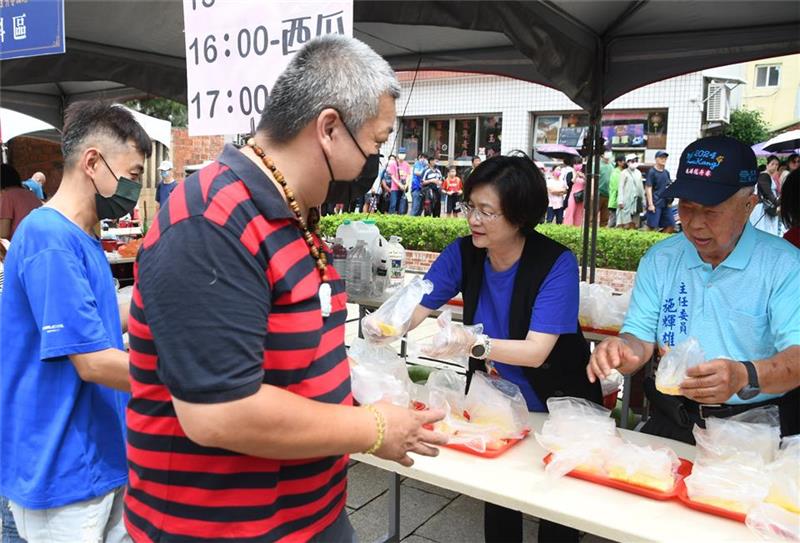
450 343
125 294
750 438
771 523
495 403
728 485
392 319
790 445
643 466
378 373
446 390
672 368
578 433
612 383
492 412
601 308
785 476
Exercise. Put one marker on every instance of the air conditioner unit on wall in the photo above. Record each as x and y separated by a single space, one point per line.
718 105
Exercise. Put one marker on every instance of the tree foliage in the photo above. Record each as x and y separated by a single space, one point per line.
162 108
747 126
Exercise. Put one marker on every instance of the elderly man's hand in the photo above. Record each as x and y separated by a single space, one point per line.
714 381
614 353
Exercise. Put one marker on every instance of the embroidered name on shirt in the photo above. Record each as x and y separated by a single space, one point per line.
50 328
674 315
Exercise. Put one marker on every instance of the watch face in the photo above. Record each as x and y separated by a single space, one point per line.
748 393
478 351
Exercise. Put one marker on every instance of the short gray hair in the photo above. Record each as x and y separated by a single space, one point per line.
331 71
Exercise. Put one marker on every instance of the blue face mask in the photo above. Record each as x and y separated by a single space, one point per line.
164 174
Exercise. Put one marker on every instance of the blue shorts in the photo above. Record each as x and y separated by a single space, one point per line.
660 218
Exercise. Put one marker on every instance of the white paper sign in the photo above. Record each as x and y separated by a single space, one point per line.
235 50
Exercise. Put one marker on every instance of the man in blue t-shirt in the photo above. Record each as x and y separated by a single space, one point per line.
416 184
166 183
36 184
659 215
64 375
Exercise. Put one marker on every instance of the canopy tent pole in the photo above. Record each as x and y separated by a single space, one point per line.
592 147
599 149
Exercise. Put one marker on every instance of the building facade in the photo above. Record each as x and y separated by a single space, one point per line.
773 88
455 116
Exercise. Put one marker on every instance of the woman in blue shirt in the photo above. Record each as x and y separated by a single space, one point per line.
523 288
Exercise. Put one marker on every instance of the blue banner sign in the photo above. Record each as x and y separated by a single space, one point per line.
30 28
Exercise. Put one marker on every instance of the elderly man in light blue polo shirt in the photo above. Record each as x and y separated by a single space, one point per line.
730 286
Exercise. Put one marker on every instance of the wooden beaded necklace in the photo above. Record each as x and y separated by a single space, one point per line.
317 253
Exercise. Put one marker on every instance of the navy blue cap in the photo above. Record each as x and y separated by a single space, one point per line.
659 154
401 151
712 170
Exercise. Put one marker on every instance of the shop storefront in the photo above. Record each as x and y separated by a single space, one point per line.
642 132
452 139
454 116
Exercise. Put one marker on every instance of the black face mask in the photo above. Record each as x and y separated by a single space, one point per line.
344 192
121 202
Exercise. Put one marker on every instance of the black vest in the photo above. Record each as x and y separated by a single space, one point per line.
563 373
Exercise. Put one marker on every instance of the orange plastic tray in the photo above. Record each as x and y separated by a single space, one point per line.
683 470
683 496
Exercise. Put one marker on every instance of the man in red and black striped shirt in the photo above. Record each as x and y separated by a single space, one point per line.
241 415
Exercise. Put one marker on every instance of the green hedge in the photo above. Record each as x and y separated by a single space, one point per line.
616 249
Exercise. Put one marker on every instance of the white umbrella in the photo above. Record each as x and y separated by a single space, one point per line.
788 141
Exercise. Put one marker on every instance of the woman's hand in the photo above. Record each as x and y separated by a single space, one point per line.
456 341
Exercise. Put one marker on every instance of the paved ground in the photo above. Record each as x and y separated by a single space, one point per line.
428 514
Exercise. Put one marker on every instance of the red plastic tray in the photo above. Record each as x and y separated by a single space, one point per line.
604 331
683 496
683 470
494 453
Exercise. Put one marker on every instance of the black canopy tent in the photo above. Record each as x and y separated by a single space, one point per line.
592 51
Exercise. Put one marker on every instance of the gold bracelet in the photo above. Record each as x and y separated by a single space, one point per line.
380 422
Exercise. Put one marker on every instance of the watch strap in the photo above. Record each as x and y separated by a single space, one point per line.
752 374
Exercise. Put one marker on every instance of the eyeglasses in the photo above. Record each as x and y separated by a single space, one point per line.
482 216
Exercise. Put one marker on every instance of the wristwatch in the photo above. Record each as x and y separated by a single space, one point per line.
752 388
481 348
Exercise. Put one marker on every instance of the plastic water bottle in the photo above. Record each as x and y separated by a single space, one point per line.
397 262
340 258
352 231
359 272
347 234
380 266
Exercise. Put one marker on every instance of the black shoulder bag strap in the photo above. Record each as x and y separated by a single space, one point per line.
472 260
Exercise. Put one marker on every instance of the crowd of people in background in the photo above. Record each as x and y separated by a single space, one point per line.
766 214
424 189
630 193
